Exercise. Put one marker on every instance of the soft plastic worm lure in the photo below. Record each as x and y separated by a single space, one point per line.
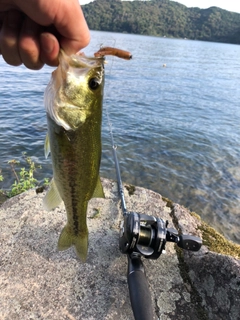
109 51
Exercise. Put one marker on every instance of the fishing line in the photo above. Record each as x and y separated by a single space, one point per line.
114 149
107 109
143 235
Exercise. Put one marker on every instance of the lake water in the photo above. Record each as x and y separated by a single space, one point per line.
175 114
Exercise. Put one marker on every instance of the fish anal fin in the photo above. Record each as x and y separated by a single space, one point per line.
98 192
52 199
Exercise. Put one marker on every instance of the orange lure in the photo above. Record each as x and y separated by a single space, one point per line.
109 51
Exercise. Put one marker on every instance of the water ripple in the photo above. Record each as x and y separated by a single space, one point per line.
176 127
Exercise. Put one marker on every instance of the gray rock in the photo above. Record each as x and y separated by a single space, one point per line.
38 282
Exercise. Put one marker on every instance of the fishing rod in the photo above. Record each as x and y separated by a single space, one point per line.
144 235
140 296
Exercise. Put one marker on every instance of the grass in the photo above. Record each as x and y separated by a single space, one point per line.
24 178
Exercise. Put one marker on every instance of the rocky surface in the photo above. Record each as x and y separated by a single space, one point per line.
38 282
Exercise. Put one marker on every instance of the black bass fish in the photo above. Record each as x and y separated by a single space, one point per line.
73 102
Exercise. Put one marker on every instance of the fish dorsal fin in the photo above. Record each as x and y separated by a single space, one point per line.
98 192
47 146
52 199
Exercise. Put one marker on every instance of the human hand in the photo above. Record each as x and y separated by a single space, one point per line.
33 31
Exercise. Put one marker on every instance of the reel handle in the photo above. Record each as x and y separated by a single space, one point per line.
140 296
184 241
188 242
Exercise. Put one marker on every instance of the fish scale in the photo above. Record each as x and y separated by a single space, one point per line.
73 102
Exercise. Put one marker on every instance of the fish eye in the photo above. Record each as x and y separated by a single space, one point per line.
93 83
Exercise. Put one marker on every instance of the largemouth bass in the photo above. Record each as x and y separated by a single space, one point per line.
73 102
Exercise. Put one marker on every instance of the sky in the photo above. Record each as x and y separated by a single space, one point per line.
230 5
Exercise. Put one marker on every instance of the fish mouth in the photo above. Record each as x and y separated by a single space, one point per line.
79 60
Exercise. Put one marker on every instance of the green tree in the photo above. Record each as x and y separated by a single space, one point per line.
163 17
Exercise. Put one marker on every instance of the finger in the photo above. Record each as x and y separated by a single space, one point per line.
73 28
29 46
9 34
49 49
66 16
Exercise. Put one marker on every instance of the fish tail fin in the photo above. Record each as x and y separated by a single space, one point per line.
80 241
81 246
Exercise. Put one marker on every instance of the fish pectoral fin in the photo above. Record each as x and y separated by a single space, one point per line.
80 242
98 192
52 199
47 146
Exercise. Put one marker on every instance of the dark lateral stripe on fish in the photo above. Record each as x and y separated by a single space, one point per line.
109 51
75 216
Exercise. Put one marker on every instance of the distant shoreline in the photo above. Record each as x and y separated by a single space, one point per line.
164 18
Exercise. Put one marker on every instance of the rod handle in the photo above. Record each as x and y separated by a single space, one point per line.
140 295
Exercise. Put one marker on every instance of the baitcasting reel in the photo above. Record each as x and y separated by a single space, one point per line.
147 236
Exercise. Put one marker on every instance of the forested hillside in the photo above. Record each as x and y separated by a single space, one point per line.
163 18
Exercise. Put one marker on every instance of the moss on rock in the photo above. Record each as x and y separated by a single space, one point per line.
131 189
217 243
